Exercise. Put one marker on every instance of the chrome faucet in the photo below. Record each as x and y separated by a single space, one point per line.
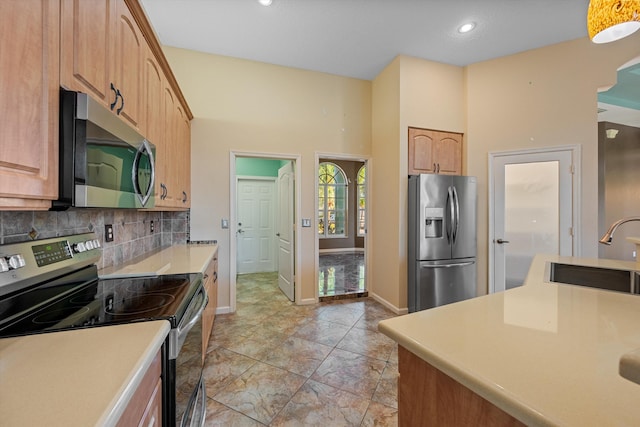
608 236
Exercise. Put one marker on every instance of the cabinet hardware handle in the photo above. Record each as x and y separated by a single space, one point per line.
435 169
184 197
115 99
438 171
121 105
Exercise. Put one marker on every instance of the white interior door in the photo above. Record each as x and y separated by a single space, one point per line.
532 211
285 230
256 226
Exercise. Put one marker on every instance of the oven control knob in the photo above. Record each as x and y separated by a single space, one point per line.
4 265
88 244
16 261
79 247
96 243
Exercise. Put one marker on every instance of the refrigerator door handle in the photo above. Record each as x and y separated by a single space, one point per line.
456 224
451 221
460 264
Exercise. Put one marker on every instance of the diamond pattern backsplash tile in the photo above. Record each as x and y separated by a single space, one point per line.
132 229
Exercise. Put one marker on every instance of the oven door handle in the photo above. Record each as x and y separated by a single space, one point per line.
198 314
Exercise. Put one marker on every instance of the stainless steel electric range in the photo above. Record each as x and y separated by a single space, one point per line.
52 285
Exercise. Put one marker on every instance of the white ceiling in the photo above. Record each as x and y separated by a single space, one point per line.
358 38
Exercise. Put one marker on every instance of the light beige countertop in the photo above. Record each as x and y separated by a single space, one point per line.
176 259
83 377
545 353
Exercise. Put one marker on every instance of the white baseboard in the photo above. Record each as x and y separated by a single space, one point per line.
387 304
309 301
223 310
341 250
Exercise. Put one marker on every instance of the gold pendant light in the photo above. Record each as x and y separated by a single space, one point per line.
611 20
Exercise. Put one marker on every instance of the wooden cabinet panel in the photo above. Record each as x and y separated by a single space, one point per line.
30 49
145 406
428 397
448 151
183 166
86 53
102 51
208 317
433 151
127 64
421 151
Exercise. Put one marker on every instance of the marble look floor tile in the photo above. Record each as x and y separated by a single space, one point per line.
258 344
387 388
342 314
320 331
219 415
261 392
299 356
317 404
351 372
368 343
379 415
221 367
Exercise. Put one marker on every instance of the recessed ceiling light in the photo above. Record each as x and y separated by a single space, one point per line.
465 28
265 2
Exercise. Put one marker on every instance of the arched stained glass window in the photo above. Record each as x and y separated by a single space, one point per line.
362 200
332 201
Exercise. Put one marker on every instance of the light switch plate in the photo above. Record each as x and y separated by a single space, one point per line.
224 223
306 222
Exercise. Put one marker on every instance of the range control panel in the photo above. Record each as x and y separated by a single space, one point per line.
23 263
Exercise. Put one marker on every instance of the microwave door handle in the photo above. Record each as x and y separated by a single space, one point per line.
143 198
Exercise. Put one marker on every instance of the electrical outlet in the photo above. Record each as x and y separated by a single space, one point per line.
151 227
306 222
108 232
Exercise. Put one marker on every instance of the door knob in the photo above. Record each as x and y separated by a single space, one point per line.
500 241
240 231
278 234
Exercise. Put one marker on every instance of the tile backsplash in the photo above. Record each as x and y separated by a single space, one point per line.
132 229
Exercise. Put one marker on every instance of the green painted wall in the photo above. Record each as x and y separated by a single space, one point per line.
258 167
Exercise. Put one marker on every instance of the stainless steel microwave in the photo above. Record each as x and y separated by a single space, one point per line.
104 162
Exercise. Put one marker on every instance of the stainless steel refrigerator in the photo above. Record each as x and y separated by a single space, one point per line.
442 240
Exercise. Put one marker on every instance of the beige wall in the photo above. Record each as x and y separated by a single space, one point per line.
241 105
540 98
543 97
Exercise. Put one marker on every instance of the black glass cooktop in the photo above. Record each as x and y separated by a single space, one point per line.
81 300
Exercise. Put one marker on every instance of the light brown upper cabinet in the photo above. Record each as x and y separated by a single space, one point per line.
432 151
29 46
101 53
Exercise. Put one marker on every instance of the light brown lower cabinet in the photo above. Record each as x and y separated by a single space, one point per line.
428 397
145 407
209 314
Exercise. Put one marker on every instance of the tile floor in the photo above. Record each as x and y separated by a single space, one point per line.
273 363
341 274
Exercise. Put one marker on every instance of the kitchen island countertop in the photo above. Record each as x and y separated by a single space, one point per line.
545 353
82 377
176 259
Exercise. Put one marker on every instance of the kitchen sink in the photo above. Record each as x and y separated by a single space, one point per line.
595 277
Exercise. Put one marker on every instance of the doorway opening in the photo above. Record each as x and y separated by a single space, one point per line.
532 195
341 223
264 207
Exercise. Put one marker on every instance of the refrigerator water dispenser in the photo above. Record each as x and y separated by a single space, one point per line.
433 222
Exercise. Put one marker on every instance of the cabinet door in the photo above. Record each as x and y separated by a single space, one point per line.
87 32
183 164
152 125
421 151
448 153
30 49
129 51
166 158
